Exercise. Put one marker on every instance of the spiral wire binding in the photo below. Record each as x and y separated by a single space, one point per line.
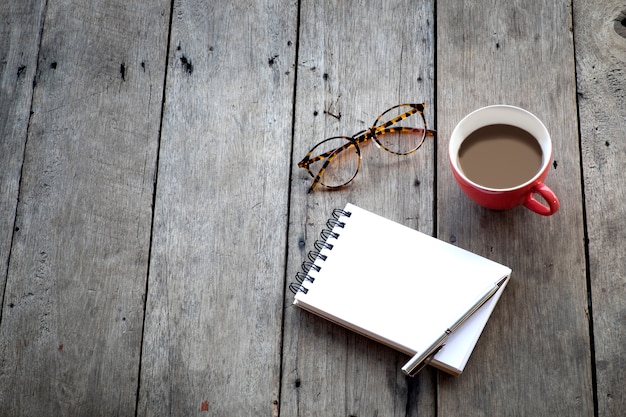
319 245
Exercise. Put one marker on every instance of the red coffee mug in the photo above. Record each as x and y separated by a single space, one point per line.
521 194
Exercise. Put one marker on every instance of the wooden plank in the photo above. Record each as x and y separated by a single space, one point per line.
355 60
600 34
71 328
534 356
20 24
214 311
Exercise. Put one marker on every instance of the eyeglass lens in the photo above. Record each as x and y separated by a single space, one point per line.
405 135
343 159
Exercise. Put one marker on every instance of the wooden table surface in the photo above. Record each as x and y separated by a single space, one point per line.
152 214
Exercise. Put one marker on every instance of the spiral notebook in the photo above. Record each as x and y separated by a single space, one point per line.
398 286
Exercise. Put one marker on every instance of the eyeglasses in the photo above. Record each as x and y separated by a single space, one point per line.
334 162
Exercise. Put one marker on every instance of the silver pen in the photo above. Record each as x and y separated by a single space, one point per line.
417 362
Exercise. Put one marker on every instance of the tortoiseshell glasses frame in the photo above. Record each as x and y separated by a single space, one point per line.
344 153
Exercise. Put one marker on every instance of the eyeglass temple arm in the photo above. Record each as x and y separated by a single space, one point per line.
384 128
428 132
318 177
360 138
308 160
416 108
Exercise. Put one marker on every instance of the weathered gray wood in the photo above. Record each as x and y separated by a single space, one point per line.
73 310
534 356
356 59
600 34
20 25
214 310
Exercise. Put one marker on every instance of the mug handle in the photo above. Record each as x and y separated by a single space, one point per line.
547 194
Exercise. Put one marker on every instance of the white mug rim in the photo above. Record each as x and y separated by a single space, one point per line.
538 130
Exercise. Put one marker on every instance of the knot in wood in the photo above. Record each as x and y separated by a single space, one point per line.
620 24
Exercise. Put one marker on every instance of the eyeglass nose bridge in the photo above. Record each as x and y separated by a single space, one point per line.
365 135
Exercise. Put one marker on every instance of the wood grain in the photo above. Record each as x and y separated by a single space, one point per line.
20 25
534 356
152 214
213 318
71 329
355 60
601 66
